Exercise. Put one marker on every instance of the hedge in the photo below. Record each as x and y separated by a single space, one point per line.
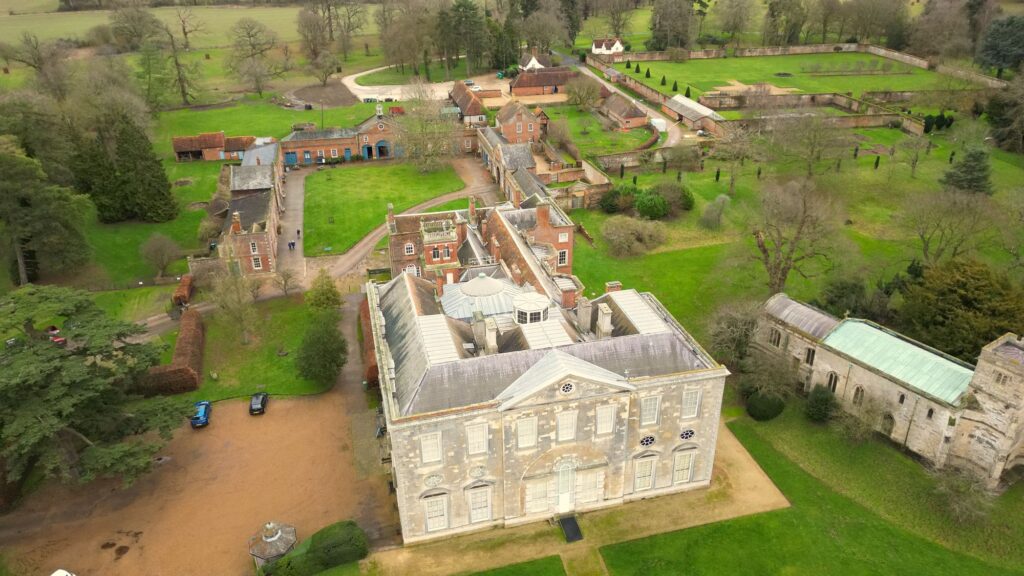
763 408
337 544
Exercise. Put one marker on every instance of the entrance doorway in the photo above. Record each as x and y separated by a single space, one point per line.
565 478
888 424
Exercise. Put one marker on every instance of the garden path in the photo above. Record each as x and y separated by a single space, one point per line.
439 90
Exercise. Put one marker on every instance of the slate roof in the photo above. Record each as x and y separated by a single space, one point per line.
691 109
622 107
327 134
516 156
199 142
247 178
492 137
265 155
605 43
555 366
804 317
508 112
917 366
542 59
557 76
252 209
529 183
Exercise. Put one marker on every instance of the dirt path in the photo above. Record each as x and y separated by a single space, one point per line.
739 487
194 513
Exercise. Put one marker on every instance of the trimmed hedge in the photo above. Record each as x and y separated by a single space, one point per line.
337 544
820 404
763 408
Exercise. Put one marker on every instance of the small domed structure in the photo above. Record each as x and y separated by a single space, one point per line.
531 307
482 286
273 541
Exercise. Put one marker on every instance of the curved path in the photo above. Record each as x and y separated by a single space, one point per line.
439 90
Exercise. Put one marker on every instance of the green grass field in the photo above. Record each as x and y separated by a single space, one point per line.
243 369
706 75
549 566
356 197
598 140
457 204
823 533
136 304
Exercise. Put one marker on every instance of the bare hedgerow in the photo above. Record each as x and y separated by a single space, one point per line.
632 237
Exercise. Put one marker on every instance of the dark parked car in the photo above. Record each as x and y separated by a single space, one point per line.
258 403
202 416
370 100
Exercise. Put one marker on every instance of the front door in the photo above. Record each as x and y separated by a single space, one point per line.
368 152
566 479
348 154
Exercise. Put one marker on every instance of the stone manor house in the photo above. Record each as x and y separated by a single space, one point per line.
944 410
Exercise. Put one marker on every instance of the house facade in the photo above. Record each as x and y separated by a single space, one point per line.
535 61
249 238
525 410
941 408
539 81
372 139
607 46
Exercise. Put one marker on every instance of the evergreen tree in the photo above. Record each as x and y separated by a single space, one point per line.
94 172
648 75
675 86
141 178
324 350
41 222
971 174
571 18
323 294
663 80
637 70
687 92
1003 45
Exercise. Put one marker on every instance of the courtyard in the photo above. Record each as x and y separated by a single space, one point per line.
590 134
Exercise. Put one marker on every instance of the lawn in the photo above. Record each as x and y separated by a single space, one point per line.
395 75
705 75
549 566
824 533
135 304
597 140
457 204
243 369
344 204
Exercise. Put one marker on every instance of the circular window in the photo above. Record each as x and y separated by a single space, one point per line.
687 434
380 126
567 388
647 441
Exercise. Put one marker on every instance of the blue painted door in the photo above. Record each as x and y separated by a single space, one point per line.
291 158
348 154
306 157
367 152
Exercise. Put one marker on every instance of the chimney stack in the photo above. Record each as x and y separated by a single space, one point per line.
612 286
472 209
544 216
236 223
604 321
583 313
491 336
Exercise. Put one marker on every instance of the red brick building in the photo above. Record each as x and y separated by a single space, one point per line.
542 81
517 124
623 111
373 139
210 146
249 238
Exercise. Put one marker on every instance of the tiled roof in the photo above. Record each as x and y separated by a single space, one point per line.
543 77
917 366
466 100
509 111
606 43
202 141
238 143
622 107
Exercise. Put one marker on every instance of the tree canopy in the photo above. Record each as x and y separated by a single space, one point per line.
1003 44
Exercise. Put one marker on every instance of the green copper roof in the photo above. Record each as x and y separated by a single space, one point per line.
912 363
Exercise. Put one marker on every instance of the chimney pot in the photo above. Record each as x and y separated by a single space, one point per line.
612 286
236 223
604 321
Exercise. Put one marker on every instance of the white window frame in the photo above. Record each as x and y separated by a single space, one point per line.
526 433
775 337
644 470
334 152
320 153
519 127
605 419
682 466
476 438
413 269
479 510
529 127
253 248
645 419
447 252
566 425
257 263
430 448
563 236
410 248
535 498
563 257
435 512
691 403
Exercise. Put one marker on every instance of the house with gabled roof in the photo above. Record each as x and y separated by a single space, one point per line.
623 111
538 81
607 46
943 409
210 146
503 407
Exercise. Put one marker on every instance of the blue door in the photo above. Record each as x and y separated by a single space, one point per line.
367 152
291 158
306 157
348 154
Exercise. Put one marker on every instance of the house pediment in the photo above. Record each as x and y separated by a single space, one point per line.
560 377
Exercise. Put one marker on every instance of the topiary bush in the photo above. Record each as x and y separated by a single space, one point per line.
762 408
650 205
821 403
337 544
686 201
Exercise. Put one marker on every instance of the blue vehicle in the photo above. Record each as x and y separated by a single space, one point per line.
202 417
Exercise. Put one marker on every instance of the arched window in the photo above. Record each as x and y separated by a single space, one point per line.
775 337
409 249
413 269
931 412
832 381
858 396
903 398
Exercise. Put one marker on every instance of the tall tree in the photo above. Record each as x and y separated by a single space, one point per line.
619 13
41 130
188 24
783 22
152 74
1003 45
670 25
941 30
571 18
184 75
795 232
734 15
324 350
141 176
807 139
312 33
971 173
427 138
468 23
42 224
251 45
232 295
351 19
948 224
133 25
960 306
1005 112
544 28
68 410
47 59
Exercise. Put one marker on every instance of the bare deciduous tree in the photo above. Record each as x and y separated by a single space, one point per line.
232 296
619 14
160 251
807 139
312 33
732 328
963 495
351 15
1013 229
189 24
734 15
583 92
796 231
251 45
47 59
184 75
427 138
558 131
285 280
736 147
911 149
323 66
133 25
949 223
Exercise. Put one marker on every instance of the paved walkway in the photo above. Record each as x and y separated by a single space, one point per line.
738 488
439 90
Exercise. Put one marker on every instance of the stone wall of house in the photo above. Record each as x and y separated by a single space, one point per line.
603 465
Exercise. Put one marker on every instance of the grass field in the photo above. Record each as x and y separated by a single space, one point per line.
136 304
396 75
243 369
549 566
356 198
598 140
823 533
705 75
457 204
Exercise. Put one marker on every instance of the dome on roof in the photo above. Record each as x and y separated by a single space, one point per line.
531 307
482 285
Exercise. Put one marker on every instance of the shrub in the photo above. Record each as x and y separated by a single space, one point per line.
820 404
324 350
686 201
762 408
650 205
675 86
631 237
676 197
664 81
648 75
712 216
337 544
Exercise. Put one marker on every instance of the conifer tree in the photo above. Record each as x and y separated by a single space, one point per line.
663 80
675 86
648 75
142 181
687 92
971 174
